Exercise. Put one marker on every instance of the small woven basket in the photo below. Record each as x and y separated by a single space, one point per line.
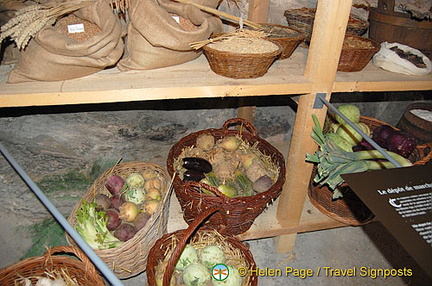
350 209
129 259
240 65
303 20
75 264
353 59
241 211
287 37
175 242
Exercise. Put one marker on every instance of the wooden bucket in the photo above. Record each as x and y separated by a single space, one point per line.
386 25
417 126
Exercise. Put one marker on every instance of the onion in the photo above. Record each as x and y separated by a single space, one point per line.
150 206
128 211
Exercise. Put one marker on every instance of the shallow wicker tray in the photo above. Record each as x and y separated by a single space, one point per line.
129 259
183 237
76 263
240 65
289 43
241 211
355 59
350 209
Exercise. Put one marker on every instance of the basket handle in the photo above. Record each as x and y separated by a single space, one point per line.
89 267
426 152
184 239
240 121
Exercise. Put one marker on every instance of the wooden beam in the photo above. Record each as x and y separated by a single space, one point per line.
328 33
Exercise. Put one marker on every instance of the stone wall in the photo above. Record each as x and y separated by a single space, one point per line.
63 149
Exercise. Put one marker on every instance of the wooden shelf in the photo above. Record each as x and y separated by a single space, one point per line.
190 80
193 80
266 224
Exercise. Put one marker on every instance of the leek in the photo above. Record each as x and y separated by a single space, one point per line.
333 161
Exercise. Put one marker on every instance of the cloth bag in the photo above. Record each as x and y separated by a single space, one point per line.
54 56
389 60
155 39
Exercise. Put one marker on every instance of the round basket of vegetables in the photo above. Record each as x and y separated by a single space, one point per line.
231 168
200 257
53 268
327 191
122 215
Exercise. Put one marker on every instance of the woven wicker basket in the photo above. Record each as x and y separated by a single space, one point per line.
178 240
354 59
129 259
240 65
303 20
78 267
350 209
287 37
241 211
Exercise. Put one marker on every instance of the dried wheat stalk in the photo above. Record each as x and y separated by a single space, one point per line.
239 33
119 5
30 20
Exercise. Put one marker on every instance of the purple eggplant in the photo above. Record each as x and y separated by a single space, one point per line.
197 164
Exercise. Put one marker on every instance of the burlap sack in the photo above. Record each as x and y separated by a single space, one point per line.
54 56
155 39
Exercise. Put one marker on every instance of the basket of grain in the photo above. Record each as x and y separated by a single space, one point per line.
60 264
356 53
350 209
200 254
132 200
247 174
303 20
241 54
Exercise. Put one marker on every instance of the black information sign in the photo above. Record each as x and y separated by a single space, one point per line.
401 199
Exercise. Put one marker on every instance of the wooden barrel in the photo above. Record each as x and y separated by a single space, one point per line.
419 126
386 25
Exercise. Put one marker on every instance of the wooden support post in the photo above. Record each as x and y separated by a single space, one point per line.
257 12
328 33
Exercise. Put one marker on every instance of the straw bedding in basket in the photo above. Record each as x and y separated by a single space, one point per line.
350 209
75 264
130 257
241 211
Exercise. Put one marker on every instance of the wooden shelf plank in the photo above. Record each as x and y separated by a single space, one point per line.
266 224
195 80
372 78
190 80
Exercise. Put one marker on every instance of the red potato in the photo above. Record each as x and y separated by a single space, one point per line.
115 184
103 201
141 220
114 220
117 201
125 232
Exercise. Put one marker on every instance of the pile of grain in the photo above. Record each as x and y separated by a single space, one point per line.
356 43
90 29
245 45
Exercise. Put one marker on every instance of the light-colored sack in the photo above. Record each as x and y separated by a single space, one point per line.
389 60
155 39
54 56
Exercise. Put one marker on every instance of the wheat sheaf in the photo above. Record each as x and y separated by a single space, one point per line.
28 21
